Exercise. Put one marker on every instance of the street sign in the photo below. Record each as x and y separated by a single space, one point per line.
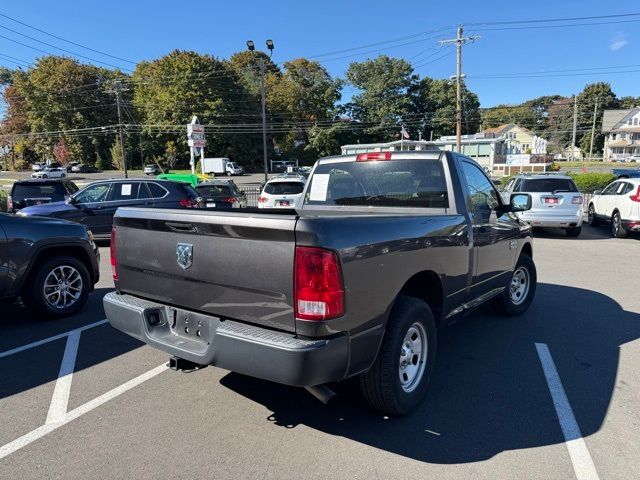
195 134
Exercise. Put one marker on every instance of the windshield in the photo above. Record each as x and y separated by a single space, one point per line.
537 185
284 188
393 183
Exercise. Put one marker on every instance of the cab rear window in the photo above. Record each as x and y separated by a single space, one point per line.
284 188
32 190
417 183
547 185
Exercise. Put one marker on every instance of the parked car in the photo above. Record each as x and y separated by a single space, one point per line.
626 172
153 169
83 168
618 205
555 201
384 249
95 205
26 193
221 194
51 264
49 172
633 159
69 166
282 192
36 167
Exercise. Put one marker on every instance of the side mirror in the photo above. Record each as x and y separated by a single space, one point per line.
520 202
72 200
597 192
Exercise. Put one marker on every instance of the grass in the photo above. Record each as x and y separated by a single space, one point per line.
589 164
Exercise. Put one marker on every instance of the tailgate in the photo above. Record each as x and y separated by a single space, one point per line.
241 263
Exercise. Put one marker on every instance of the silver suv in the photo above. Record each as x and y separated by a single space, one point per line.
555 201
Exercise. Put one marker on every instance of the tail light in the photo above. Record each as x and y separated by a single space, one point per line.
368 157
636 196
9 204
230 200
114 260
188 203
262 199
578 200
318 286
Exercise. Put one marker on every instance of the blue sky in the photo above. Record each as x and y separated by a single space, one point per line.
149 29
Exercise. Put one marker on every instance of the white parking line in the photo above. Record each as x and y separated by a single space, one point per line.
6 353
60 398
580 457
40 432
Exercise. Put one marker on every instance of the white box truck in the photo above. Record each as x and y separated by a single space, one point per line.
222 166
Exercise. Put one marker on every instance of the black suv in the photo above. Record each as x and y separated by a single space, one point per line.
95 205
51 264
26 193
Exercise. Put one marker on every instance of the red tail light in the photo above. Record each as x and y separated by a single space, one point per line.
636 196
114 260
230 200
188 203
262 199
319 291
368 157
9 203
577 200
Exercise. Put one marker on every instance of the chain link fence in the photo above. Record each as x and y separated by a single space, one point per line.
252 193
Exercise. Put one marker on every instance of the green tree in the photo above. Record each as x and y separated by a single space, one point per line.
601 93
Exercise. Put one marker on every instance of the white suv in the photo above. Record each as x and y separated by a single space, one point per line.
619 205
281 192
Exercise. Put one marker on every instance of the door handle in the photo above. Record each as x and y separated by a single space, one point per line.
181 227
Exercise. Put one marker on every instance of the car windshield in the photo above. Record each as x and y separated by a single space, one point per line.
213 190
22 191
540 185
284 188
394 183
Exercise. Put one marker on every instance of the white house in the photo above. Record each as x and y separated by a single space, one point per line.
622 129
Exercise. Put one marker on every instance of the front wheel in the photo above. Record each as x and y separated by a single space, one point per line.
45 176
397 382
591 216
617 230
519 293
62 176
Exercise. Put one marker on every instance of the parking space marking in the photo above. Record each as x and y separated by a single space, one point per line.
6 353
40 432
60 399
580 457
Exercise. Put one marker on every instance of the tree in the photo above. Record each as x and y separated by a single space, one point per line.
61 152
629 102
116 155
601 93
383 101
171 153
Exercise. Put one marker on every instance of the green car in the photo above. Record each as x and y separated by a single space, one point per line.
189 178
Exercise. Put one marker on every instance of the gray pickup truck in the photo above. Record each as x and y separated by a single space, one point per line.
382 250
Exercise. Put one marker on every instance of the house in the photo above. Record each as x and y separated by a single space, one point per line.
571 153
622 130
520 140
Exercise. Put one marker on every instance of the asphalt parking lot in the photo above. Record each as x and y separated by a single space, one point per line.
553 394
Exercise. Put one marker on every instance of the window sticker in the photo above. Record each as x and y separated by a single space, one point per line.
126 189
319 186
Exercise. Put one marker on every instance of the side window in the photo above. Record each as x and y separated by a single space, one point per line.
156 190
517 184
610 189
94 193
626 188
121 192
143 192
482 197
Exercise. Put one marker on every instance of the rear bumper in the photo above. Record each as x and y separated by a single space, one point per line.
552 221
239 347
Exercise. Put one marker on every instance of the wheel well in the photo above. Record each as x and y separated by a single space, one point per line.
526 249
48 253
426 286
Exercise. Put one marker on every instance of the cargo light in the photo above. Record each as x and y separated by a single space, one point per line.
188 203
636 196
230 199
318 286
578 200
370 157
113 251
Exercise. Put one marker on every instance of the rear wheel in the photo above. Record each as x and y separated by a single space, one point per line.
516 298
591 216
58 288
397 382
617 231
573 231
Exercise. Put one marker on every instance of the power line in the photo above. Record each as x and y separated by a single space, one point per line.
546 20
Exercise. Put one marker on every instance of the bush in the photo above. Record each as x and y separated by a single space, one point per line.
3 200
588 182
554 167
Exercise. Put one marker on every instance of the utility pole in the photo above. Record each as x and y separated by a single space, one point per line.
459 41
117 89
264 120
593 128
575 123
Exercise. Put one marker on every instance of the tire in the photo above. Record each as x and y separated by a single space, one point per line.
574 232
45 176
617 231
591 216
511 304
62 176
382 386
34 298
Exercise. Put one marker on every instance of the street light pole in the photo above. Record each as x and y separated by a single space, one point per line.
261 65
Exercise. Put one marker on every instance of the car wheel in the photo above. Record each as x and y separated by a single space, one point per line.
62 176
591 216
45 176
573 231
397 382
617 231
519 293
58 288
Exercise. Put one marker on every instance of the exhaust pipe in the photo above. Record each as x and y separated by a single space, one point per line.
177 363
321 392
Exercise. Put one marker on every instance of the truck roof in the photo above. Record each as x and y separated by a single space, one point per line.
416 155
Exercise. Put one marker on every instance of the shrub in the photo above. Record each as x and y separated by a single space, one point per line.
588 182
3 200
554 167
